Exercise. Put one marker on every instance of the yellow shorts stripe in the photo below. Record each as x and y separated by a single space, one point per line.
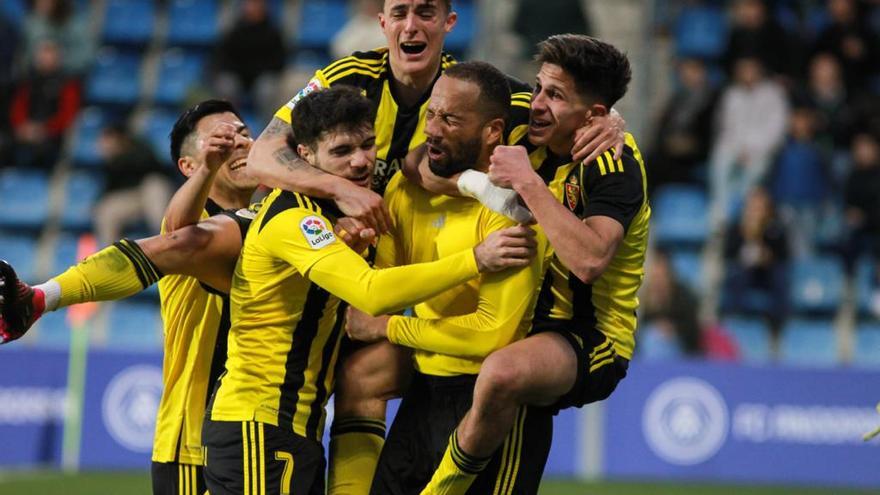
600 349
608 360
262 454
245 457
255 463
601 356
180 477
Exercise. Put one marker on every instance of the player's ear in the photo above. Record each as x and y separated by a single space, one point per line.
597 110
451 19
305 153
493 132
187 165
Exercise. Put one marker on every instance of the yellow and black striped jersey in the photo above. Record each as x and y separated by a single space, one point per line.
606 187
196 323
286 305
454 331
399 129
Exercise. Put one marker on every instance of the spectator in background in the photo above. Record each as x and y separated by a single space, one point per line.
800 181
826 92
137 186
862 214
684 129
537 20
755 33
43 106
849 38
249 60
362 30
9 38
756 251
669 309
55 20
752 119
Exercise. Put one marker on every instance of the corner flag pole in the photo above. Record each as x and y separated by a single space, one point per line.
78 317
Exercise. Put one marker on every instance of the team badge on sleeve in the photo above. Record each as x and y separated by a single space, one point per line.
318 233
312 86
572 192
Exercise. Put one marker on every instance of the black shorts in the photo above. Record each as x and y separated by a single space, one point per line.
253 458
601 367
174 478
431 409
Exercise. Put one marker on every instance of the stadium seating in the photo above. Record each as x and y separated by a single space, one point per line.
155 128
134 326
19 250
752 337
129 22
85 135
688 265
23 199
459 40
816 285
115 79
865 285
82 191
193 23
867 347
178 72
320 20
654 345
701 32
680 216
14 10
65 252
808 342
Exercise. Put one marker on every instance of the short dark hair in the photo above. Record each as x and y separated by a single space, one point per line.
494 97
189 119
601 72
340 108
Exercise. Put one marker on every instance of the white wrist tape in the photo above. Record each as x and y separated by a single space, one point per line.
476 185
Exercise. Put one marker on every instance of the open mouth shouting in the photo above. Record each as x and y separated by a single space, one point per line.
435 153
413 47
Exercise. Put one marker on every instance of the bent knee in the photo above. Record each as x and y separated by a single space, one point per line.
501 378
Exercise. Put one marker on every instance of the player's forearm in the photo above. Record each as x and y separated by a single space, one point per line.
188 203
475 335
276 164
386 291
577 245
506 298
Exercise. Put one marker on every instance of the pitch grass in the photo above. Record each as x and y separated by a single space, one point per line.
137 483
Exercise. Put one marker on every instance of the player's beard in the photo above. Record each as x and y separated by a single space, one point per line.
458 161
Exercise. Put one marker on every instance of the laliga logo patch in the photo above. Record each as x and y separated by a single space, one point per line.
572 192
313 86
316 231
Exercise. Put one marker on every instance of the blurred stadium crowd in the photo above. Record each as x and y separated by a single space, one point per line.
764 161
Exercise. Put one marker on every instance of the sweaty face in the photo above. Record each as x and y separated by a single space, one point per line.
233 174
346 153
557 111
453 128
415 30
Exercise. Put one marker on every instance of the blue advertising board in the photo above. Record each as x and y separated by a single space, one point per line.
726 422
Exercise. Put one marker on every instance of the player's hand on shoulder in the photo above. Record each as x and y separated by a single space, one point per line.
365 328
354 233
506 248
599 135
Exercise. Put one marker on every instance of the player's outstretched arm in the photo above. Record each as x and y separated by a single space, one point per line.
505 298
277 165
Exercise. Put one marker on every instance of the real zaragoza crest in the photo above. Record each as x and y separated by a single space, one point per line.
572 191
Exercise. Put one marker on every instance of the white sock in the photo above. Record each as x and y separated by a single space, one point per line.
52 292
